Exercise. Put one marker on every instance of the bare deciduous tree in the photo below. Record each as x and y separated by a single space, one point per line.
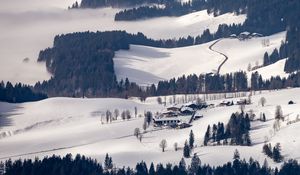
137 132
176 146
262 101
163 145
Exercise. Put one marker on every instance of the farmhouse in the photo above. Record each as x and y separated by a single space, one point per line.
244 36
233 36
166 121
173 108
170 113
187 110
171 121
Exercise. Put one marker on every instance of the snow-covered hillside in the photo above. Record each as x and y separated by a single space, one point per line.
29 26
66 125
241 53
146 65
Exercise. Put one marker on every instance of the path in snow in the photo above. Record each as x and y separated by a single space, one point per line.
74 146
226 57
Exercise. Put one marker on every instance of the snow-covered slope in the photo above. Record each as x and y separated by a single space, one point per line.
66 125
272 70
146 65
29 26
241 53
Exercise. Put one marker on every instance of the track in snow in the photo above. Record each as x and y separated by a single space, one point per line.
226 57
72 146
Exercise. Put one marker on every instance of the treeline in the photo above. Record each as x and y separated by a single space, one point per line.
177 8
19 93
257 83
235 133
81 165
114 3
207 83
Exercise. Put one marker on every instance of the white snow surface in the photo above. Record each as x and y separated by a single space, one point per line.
241 53
29 26
67 125
276 69
146 65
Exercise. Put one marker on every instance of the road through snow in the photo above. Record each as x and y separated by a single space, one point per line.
226 57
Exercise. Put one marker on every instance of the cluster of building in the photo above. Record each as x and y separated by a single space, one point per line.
179 116
231 103
246 35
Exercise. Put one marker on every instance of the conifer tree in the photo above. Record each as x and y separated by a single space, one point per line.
236 155
207 135
191 139
186 150
195 163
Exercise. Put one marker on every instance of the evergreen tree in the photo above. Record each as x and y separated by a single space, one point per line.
277 157
151 169
182 166
236 155
207 135
108 164
191 140
186 150
195 163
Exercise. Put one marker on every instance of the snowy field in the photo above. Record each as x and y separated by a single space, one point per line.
146 65
241 53
67 125
29 26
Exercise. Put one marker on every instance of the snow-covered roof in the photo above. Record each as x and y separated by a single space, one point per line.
245 33
181 118
185 108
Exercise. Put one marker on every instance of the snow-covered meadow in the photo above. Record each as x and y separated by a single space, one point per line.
146 65
66 125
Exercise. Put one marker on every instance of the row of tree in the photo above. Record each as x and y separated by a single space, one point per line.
257 82
176 8
81 165
19 93
276 55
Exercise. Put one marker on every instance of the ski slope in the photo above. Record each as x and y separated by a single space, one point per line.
29 26
68 125
147 65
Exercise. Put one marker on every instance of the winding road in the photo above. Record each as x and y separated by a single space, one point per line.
226 57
